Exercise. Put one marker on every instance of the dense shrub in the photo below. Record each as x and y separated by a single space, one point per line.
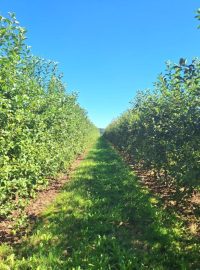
42 128
161 131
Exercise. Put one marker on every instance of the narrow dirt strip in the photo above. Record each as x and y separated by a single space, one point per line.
35 206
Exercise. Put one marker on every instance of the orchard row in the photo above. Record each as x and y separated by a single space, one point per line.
161 130
42 128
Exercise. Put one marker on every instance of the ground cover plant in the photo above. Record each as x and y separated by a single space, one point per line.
104 219
42 127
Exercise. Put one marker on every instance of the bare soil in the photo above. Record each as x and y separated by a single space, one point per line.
35 207
188 209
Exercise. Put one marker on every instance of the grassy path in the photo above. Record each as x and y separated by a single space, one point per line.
104 220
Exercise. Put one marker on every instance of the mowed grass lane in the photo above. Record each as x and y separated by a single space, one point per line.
104 219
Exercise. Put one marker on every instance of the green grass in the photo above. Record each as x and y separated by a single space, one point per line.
104 219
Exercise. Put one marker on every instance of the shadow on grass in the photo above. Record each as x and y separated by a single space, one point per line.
104 219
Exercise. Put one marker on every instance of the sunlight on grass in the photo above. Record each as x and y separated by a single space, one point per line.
104 219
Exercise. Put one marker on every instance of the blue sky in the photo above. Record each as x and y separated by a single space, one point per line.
109 49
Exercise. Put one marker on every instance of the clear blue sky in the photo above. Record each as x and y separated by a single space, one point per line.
109 49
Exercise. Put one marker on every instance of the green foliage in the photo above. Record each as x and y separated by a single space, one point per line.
104 219
42 128
198 15
162 129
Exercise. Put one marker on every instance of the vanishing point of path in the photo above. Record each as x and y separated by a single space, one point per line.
103 219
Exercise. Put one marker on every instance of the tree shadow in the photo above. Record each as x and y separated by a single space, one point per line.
104 219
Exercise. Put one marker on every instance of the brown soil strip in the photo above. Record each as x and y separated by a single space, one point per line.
188 210
35 207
